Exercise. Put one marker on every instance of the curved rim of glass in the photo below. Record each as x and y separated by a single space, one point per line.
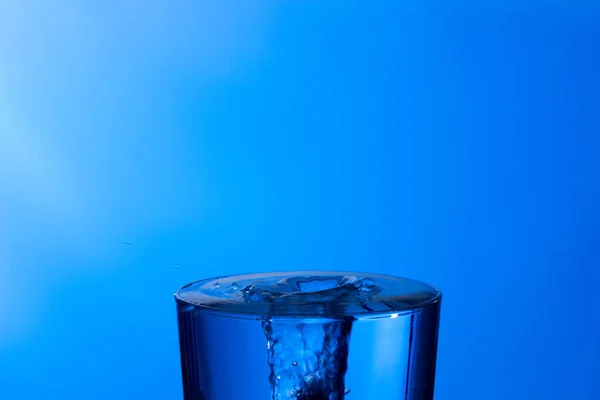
241 313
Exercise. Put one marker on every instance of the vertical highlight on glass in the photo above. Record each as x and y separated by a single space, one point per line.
308 336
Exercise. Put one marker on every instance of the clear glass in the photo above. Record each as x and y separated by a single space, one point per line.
308 336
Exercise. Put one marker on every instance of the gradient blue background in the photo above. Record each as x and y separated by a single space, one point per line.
452 142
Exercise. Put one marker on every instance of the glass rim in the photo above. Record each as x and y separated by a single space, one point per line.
235 307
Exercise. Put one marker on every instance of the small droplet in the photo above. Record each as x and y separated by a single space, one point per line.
347 391
294 363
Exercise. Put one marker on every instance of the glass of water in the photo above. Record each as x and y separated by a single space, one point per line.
308 336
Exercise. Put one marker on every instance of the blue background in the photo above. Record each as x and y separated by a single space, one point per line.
144 145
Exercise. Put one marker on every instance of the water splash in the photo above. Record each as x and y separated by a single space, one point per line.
308 360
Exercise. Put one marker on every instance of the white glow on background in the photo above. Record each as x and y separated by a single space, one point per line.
64 205
31 183
31 170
